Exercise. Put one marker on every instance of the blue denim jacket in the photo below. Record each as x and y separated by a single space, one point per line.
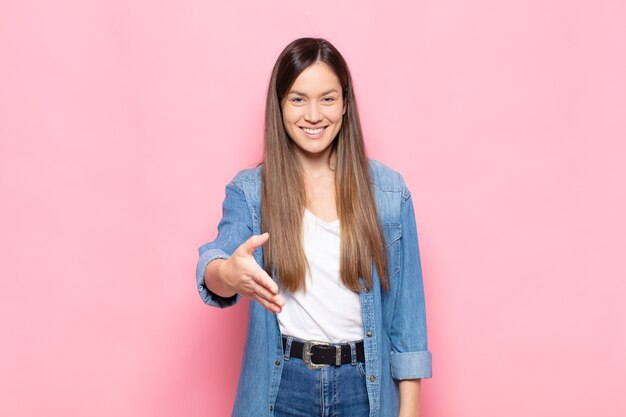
394 321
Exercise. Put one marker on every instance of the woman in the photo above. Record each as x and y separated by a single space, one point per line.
324 241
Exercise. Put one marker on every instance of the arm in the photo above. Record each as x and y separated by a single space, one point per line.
226 268
410 358
409 397
214 281
234 228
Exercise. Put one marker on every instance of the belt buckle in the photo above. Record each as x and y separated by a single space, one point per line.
306 354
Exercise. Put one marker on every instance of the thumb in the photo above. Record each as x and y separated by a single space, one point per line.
254 242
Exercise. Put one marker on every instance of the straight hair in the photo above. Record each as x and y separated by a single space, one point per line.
283 198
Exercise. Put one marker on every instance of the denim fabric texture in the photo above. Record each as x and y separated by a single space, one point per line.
335 391
394 321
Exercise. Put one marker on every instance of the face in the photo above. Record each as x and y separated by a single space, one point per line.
313 109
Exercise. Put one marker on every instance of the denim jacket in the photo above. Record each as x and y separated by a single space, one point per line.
394 321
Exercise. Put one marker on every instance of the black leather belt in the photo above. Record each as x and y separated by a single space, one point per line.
318 355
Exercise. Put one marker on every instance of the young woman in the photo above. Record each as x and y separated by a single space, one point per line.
323 240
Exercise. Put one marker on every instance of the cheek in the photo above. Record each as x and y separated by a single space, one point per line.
290 117
337 115
286 122
337 109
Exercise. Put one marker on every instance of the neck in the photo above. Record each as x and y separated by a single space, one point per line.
319 165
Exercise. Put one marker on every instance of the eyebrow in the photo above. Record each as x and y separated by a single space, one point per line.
300 93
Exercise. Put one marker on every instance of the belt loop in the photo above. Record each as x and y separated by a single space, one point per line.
288 348
353 352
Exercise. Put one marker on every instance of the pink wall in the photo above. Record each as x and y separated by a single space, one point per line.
122 121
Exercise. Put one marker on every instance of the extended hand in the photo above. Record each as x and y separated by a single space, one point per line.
242 273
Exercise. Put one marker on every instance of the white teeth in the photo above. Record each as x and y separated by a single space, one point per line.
312 131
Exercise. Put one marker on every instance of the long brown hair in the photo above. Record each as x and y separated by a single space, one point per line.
283 196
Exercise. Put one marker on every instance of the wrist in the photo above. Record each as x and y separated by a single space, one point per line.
216 278
222 273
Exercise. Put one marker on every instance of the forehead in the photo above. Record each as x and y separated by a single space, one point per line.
316 78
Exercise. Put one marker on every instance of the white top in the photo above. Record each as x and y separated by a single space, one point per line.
328 311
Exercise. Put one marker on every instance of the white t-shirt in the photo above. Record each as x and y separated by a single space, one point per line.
328 311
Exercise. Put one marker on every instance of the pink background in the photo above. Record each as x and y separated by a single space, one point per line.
122 121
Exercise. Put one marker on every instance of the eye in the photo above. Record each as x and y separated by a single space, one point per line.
297 100
329 99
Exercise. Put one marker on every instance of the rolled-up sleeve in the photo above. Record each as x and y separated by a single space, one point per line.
234 228
410 357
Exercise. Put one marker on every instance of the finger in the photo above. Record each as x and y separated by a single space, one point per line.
262 278
263 296
275 299
272 308
264 281
250 245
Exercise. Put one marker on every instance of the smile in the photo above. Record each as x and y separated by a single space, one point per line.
313 131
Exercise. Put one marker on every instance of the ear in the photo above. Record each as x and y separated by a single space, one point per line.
345 106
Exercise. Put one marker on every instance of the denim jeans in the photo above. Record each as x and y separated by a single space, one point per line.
328 392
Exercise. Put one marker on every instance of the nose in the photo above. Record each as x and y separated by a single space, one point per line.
313 113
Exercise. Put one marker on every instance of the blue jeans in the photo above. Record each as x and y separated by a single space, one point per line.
328 392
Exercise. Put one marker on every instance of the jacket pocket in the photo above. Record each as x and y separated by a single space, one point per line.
392 233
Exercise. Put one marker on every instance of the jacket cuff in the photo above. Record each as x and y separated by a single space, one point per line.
208 296
411 365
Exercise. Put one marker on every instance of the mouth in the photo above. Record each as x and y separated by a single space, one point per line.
313 133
